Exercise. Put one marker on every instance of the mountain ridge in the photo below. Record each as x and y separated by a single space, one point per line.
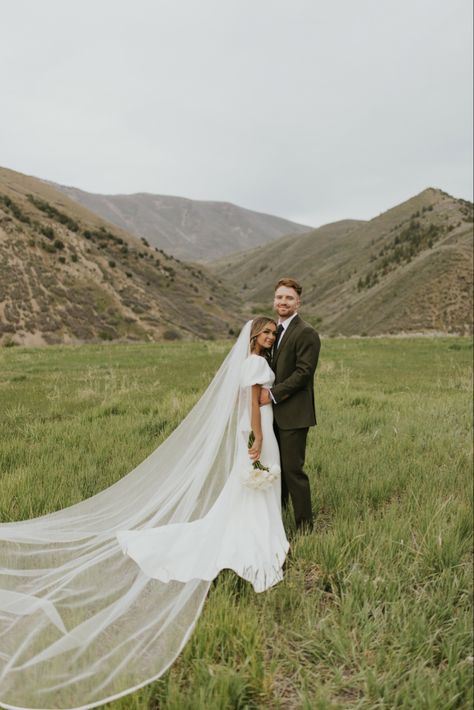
415 257
68 276
196 230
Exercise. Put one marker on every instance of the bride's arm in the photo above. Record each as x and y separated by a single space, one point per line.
256 422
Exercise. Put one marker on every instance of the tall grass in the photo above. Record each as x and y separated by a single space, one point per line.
374 610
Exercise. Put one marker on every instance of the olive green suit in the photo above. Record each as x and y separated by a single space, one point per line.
294 364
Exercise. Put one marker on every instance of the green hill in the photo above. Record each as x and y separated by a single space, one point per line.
407 270
66 276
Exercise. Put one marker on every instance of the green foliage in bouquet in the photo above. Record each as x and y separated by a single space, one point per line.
256 464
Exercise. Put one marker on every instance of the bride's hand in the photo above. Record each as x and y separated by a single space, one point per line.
256 449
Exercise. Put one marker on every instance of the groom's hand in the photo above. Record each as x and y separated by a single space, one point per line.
264 397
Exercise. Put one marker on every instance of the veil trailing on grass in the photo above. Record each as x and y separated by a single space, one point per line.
80 623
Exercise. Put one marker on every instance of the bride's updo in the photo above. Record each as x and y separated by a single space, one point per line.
258 324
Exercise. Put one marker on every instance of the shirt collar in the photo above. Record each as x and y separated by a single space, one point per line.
286 323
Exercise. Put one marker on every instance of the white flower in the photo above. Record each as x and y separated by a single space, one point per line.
260 477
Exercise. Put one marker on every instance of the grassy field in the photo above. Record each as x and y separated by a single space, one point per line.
375 608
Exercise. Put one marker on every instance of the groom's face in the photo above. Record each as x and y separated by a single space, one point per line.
285 302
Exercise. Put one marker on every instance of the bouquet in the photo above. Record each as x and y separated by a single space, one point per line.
259 476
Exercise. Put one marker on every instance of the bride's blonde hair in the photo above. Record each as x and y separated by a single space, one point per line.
258 324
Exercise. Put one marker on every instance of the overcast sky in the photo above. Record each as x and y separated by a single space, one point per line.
308 109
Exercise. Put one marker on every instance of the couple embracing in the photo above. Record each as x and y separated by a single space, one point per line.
243 530
99 598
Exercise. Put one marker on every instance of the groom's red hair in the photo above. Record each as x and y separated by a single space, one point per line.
290 283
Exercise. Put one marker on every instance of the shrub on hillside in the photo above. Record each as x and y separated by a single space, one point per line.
402 249
14 209
54 213
171 335
47 231
102 235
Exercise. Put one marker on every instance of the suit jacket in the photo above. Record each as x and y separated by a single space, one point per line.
294 364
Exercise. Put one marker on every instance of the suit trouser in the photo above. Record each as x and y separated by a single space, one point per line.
294 481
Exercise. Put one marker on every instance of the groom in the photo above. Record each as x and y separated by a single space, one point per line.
294 361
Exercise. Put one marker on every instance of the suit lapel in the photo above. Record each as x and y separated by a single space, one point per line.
285 337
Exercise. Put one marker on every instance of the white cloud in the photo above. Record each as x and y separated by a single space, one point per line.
310 110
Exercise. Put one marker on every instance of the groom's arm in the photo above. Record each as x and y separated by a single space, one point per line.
308 346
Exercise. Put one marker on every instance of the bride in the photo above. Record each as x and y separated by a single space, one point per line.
98 599
243 530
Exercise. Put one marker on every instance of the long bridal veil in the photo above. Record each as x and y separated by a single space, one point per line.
80 623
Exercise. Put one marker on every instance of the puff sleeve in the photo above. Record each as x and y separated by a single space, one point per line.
255 371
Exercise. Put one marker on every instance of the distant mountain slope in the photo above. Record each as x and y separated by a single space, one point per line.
409 269
66 275
192 230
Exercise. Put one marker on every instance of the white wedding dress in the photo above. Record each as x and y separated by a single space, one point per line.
243 530
82 623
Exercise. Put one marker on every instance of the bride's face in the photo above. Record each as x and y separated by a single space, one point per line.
266 338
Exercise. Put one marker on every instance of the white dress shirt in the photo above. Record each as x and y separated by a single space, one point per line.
285 324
